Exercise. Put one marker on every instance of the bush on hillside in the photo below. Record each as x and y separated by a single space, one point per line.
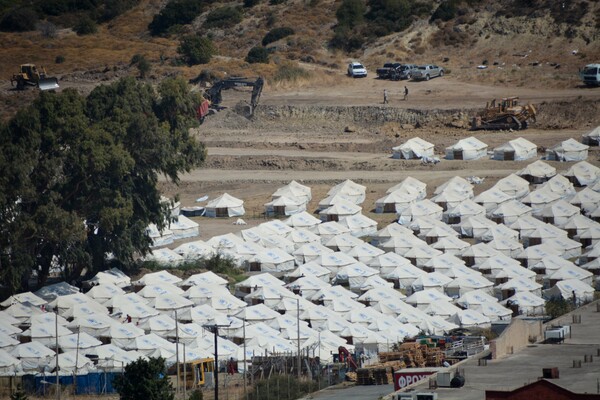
258 54
85 26
176 12
446 11
223 17
275 2
19 20
351 13
250 3
290 73
196 49
59 59
275 34
347 40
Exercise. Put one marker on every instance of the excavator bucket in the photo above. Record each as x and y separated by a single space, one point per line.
48 83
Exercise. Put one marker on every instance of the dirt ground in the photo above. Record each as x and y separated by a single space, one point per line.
321 136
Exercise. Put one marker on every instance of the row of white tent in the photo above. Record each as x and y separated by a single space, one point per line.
471 148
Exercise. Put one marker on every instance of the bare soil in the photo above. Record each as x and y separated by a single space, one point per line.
321 136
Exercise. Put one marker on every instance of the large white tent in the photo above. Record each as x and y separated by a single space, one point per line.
413 148
470 148
583 174
537 172
225 206
592 138
518 149
568 150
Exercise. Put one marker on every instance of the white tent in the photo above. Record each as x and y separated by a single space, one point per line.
514 186
464 284
401 244
404 275
359 225
423 298
34 356
310 269
509 212
587 200
583 174
387 262
327 230
354 275
571 272
183 227
335 261
302 220
81 341
474 298
539 199
528 303
475 227
410 187
450 198
364 252
204 278
520 285
225 206
355 192
413 148
103 292
558 185
531 255
284 205
420 255
45 333
157 278
592 138
418 209
458 184
478 253
470 148
7 342
165 257
432 280
559 213
393 202
294 190
272 260
491 199
310 252
450 244
442 309
494 311
9 365
515 150
343 242
112 276
569 150
467 208
537 172
159 237
470 319
94 325
338 210
569 288
25 297
301 236
169 303
201 294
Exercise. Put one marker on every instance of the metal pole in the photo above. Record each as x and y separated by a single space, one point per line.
76 357
216 364
176 354
184 375
245 370
298 322
56 348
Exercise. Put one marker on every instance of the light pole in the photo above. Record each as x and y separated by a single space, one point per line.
56 348
215 328
298 325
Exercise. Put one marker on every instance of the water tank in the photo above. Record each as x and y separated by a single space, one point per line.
457 381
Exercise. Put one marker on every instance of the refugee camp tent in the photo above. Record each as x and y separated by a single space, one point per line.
183 227
571 272
465 209
164 257
475 227
272 260
421 299
461 285
571 289
411 187
9 365
457 184
302 220
344 242
527 303
328 230
294 190
470 148
284 205
158 237
592 138
393 202
558 213
354 275
491 199
413 148
558 185
537 172
225 206
515 150
582 174
338 210
393 229
513 185
470 319
421 208
431 280
509 212
587 200
359 225
353 191
301 236
450 198
540 199
531 255
569 150
365 252
475 298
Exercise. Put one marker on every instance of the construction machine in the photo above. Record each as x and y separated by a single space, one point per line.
30 75
504 114
214 97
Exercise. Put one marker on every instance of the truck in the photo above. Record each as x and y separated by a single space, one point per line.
388 71
590 74
426 72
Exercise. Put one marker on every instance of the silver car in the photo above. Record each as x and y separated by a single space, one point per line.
426 72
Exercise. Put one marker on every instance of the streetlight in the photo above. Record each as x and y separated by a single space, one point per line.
216 327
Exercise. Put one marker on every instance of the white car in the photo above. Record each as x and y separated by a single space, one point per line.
357 70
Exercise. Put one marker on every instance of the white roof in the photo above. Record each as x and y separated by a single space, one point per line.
584 172
570 145
225 201
26 297
475 297
260 280
427 296
456 183
158 278
204 278
538 169
470 143
302 220
349 188
519 145
80 340
513 185
410 186
195 249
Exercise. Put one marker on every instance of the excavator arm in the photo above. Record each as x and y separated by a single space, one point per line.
215 96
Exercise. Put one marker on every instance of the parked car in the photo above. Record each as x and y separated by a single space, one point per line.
357 70
426 72
388 71
406 70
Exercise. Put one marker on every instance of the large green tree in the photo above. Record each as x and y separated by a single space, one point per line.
79 175
145 380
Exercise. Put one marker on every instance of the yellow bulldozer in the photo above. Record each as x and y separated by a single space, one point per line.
30 75
504 114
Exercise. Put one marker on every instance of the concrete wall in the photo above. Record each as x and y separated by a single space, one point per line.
515 337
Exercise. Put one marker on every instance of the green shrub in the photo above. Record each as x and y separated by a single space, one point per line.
224 17
196 49
142 64
351 13
347 40
59 59
85 26
290 73
114 8
275 2
445 11
250 3
176 12
275 34
196 395
19 20
258 54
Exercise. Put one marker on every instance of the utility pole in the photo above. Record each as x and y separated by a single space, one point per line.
215 328
56 348
245 370
177 353
298 325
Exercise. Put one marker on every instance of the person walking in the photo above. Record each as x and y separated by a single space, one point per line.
405 92
385 96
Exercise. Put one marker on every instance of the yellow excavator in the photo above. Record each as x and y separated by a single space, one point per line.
30 75
506 114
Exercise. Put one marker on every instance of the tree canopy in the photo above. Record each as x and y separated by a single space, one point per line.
80 176
145 380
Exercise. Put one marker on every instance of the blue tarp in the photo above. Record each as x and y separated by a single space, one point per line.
92 383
